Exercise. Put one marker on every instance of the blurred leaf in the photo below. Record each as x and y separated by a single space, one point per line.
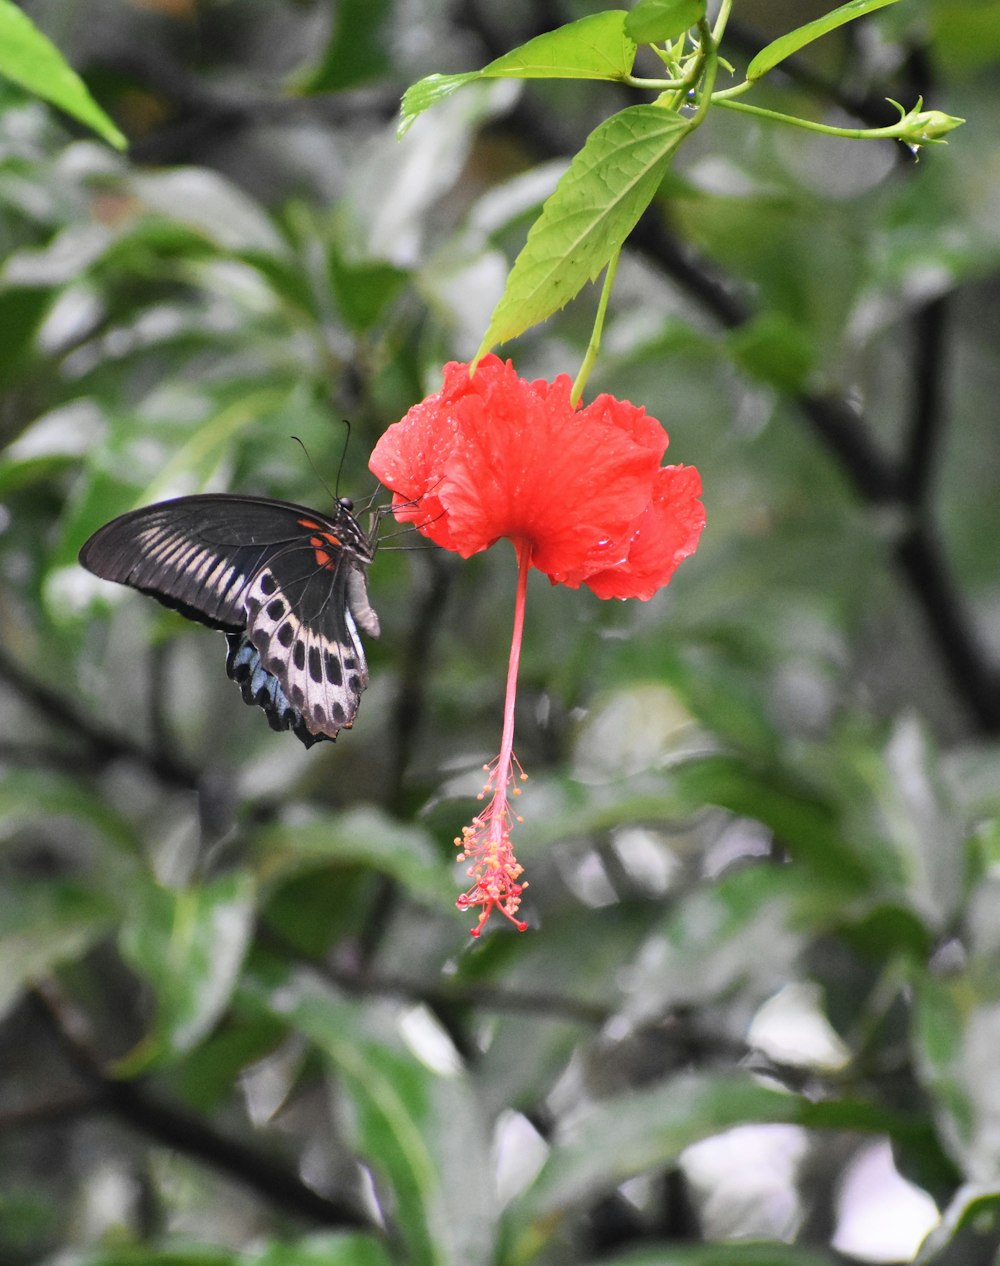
741 934
954 1046
364 291
609 184
972 1217
786 45
323 1250
923 823
773 349
30 59
210 1072
734 1254
594 47
357 48
136 1255
965 34
212 206
651 21
360 837
22 310
612 1140
26 797
43 924
189 944
403 1123
799 817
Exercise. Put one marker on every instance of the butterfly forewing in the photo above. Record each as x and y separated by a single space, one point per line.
286 583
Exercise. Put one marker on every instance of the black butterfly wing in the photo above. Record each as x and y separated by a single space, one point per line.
286 583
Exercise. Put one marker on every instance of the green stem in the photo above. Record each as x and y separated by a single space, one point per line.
656 85
594 346
894 130
721 20
710 51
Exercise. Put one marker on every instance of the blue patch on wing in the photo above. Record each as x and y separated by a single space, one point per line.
262 689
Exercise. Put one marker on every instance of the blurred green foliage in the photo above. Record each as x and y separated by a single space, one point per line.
241 1020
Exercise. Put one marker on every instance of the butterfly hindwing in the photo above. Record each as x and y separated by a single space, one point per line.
288 585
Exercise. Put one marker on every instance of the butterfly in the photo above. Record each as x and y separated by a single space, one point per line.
287 585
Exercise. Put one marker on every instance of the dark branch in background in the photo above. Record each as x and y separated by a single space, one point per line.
102 745
439 571
930 343
132 1104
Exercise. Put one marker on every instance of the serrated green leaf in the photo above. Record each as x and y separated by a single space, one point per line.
30 59
790 43
428 92
652 21
595 206
595 47
189 943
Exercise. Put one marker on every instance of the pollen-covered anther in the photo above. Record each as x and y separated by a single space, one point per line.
494 870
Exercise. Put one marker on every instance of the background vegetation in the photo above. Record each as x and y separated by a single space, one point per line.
241 1018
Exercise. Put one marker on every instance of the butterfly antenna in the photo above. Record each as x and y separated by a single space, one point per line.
312 465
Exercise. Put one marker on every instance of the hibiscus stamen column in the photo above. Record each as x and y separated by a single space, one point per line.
485 842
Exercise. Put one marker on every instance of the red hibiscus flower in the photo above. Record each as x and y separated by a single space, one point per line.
582 496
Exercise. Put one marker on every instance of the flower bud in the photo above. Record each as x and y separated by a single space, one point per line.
929 125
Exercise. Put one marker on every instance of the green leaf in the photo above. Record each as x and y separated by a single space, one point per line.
403 1121
743 934
428 92
970 1219
142 1255
189 943
356 52
755 1253
364 291
796 814
774 349
42 924
324 1250
30 59
362 837
595 206
22 310
645 1131
29 797
786 45
652 21
595 47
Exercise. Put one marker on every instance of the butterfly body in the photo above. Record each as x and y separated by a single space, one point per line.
286 584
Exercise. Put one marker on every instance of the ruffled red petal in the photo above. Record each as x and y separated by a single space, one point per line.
659 540
493 455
